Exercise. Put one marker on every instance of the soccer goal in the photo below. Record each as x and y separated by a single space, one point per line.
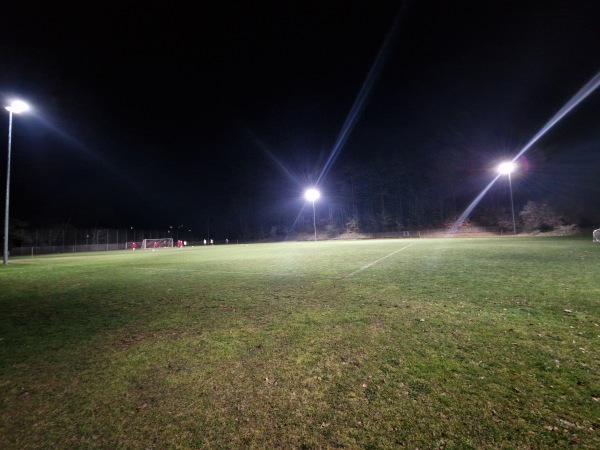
596 235
157 243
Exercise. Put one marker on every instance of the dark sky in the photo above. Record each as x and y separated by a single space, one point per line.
157 115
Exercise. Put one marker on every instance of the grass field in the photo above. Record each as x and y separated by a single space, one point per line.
487 343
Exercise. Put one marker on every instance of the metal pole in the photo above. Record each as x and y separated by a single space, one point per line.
7 190
512 205
315 220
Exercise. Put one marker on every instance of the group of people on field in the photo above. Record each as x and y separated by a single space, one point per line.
180 244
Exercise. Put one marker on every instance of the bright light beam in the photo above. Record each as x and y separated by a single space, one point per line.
581 95
471 207
361 98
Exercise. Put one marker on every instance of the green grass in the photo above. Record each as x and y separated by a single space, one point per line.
431 343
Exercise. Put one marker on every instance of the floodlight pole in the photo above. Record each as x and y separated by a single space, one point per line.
506 168
314 220
10 114
512 205
16 106
311 195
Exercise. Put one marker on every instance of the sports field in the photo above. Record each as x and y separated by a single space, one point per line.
484 343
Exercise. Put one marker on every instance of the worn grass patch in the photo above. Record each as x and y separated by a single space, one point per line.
441 343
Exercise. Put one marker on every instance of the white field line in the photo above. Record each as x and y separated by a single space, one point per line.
379 260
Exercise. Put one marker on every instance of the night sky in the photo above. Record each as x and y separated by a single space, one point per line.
150 116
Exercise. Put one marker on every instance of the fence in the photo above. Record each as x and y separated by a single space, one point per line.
48 249
51 240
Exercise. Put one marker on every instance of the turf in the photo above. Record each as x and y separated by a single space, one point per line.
416 343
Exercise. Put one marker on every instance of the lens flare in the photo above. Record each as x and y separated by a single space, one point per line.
362 96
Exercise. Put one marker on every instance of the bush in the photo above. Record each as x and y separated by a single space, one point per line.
539 217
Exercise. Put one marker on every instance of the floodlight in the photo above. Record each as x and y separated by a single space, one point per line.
312 194
17 107
506 168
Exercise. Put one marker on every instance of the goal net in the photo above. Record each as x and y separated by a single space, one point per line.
596 235
157 243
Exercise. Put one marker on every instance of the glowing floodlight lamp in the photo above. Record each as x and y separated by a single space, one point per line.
16 107
311 195
506 168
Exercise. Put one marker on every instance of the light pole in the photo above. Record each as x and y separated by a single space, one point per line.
16 107
311 195
506 168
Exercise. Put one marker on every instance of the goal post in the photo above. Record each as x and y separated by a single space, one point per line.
157 243
596 235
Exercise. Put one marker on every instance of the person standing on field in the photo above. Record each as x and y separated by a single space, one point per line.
154 245
133 245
